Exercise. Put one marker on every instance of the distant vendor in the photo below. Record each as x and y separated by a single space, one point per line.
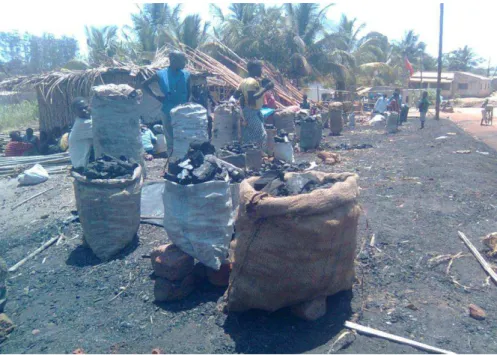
148 139
174 83
251 93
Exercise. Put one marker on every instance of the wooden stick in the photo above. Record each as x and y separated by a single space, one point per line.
33 254
478 256
395 338
32 197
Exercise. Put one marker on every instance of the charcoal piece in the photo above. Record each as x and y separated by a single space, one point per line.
171 177
173 167
183 164
274 187
196 157
204 146
237 160
297 183
221 175
265 179
205 172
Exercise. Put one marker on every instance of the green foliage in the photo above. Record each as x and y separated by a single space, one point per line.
462 59
18 116
28 54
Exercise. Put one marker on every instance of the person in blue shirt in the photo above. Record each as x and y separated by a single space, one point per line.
148 139
174 83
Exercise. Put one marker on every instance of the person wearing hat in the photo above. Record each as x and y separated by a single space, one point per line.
81 136
174 83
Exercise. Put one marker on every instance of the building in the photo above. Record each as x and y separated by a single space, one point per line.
456 84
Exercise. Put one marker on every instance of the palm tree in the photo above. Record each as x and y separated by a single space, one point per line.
462 59
192 32
102 43
155 25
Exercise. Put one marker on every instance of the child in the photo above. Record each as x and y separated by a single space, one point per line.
423 106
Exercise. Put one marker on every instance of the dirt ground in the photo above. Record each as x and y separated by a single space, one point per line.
416 193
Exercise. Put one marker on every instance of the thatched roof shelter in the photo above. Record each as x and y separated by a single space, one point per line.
56 90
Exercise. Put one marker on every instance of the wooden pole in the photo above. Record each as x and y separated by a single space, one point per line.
395 338
478 257
439 78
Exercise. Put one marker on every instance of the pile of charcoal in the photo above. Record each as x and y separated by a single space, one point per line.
279 167
296 185
199 165
281 136
237 148
109 167
345 146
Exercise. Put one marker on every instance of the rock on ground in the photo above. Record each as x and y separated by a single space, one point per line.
165 290
171 263
311 310
476 312
219 277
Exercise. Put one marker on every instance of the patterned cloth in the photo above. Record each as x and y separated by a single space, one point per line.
17 149
254 132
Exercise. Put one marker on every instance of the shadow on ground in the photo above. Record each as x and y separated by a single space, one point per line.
83 256
281 332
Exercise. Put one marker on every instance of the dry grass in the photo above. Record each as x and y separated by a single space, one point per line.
18 116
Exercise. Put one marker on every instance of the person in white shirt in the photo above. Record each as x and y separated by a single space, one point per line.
381 105
81 136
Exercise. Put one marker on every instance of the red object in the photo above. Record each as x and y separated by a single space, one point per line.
269 100
17 149
394 106
409 66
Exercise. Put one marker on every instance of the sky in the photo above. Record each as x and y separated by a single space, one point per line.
465 22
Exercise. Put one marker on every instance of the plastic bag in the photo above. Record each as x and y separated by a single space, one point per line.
151 202
198 219
36 175
189 124
284 151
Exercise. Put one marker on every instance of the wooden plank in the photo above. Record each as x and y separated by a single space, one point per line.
479 257
33 254
395 338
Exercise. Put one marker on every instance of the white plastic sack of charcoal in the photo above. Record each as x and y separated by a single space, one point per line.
36 175
377 121
284 151
152 206
198 219
116 124
225 125
189 123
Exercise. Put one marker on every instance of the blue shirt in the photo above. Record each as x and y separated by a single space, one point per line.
147 138
174 84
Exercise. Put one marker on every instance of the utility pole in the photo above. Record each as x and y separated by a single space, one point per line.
421 68
439 78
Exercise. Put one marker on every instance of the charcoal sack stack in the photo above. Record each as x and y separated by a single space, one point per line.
392 122
283 148
108 194
285 119
226 125
189 124
311 133
198 204
336 121
294 249
116 124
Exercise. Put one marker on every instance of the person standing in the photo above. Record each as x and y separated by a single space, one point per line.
81 136
251 95
423 106
174 83
305 105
